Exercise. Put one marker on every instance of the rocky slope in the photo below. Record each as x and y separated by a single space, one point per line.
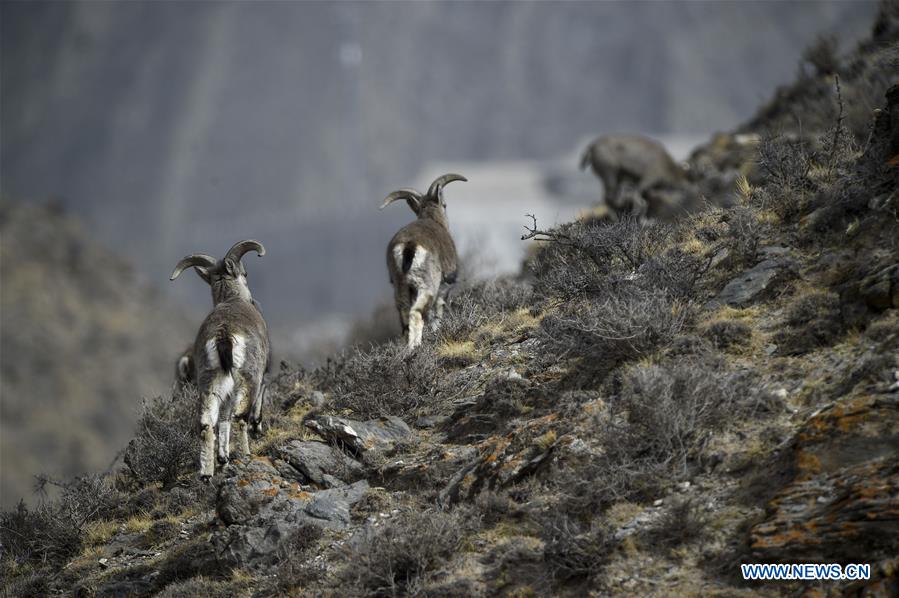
649 406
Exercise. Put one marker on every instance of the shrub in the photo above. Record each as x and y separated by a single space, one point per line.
786 162
743 237
294 567
473 305
572 550
394 558
33 583
167 443
493 506
385 380
683 523
655 427
587 258
668 410
627 325
46 534
725 334
813 321
91 498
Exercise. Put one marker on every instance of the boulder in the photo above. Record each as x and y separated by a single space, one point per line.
359 437
321 463
844 498
256 494
758 282
260 510
834 517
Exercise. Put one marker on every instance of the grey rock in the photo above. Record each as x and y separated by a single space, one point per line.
246 546
430 421
320 463
359 437
334 505
261 511
880 290
289 472
757 283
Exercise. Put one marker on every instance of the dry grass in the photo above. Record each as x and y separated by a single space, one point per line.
458 353
99 532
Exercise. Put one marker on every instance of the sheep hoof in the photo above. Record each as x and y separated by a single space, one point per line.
222 460
205 478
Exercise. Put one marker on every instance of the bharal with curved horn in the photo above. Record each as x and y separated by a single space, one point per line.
422 260
231 353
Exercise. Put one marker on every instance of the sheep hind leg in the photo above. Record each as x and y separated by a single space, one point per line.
242 411
439 305
417 314
208 421
255 419
224 435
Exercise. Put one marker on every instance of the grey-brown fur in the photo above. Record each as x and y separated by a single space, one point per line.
231 353
184 371
185 375
629 166
422 260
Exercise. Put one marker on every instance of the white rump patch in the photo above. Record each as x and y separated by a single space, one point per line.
239 350
418 260
212 355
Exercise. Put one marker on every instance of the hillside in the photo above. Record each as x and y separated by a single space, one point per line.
82 341
647 407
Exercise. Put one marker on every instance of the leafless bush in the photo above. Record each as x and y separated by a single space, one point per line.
786 162
52 531
676 272
385 380
90 498
589 259
744 234
813 321
656 426
46 534
31 583
666 412
493 506
683 523
585 258
391 560
725 334
294 566
572 550
623 326
473 305
167 444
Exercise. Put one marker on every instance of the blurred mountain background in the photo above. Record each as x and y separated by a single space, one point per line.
171 128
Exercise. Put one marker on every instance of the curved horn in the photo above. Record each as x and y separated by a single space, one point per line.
440 181
406 193
241 247
197 259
